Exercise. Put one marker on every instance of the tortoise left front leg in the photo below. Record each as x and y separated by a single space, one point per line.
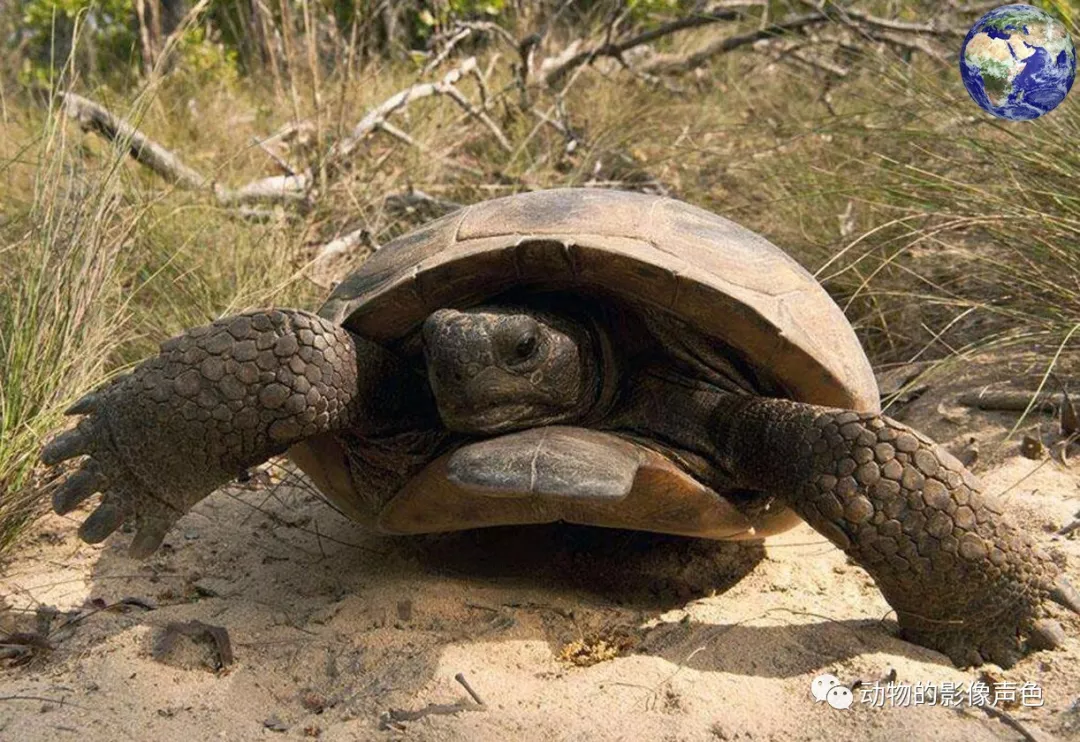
962 579
217 400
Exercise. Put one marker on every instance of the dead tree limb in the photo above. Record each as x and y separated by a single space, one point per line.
1010 401
669 64
343 245
362 237
488 27
396 133
274 156
275 189
414 198
929 29
377 115
93 117
447 50
553 74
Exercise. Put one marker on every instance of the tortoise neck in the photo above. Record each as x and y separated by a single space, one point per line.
676 410
609 368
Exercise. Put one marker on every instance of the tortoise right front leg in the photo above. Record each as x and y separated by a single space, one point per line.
961 577
217 400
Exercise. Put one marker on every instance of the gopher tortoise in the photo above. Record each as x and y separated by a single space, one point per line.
589 356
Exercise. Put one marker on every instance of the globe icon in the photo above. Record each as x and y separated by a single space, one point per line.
1018 62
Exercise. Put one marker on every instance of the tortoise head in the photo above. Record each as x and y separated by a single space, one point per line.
496 368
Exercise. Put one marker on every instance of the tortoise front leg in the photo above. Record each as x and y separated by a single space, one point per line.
215 401
962 578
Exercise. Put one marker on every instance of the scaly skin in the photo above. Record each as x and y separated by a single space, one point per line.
962 578
217 400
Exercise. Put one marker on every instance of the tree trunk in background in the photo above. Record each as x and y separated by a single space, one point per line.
392 27
157 20
172 13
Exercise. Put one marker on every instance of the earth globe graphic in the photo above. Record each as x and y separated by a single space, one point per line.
1018 62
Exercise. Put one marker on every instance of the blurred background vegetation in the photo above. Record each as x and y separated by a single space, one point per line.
838 129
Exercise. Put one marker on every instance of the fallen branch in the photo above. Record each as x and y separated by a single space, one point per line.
447 50
822 64
410 200
415 198
94 117
343 245
274 156
275 189
553 74
930 29
488 27
1010 401
144 150
914 43
668 64
377 116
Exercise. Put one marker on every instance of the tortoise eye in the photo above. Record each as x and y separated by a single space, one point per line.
526 346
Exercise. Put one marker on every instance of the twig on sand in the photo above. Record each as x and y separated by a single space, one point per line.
1015 724
395 717
43 699
460 677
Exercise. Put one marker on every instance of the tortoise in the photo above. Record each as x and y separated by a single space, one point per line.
597 357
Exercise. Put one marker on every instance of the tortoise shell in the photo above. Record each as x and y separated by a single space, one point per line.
717 277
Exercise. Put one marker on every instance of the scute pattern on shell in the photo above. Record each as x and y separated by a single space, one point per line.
722 279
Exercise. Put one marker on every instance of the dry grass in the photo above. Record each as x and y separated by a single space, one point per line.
937 229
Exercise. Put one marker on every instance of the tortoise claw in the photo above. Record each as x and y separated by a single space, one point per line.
148 538
1065 594
87 403
1046 634
103 521
75 489
67 445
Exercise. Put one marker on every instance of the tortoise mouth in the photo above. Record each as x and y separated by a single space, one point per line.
626 485
504 419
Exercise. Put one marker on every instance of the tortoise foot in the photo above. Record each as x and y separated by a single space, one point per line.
215 401
976 640
961 577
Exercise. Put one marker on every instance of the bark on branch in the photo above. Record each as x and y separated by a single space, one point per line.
668 64
93 117
320 268
555 73
376 117
1011 401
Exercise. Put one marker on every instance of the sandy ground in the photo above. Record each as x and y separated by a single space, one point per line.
343 635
